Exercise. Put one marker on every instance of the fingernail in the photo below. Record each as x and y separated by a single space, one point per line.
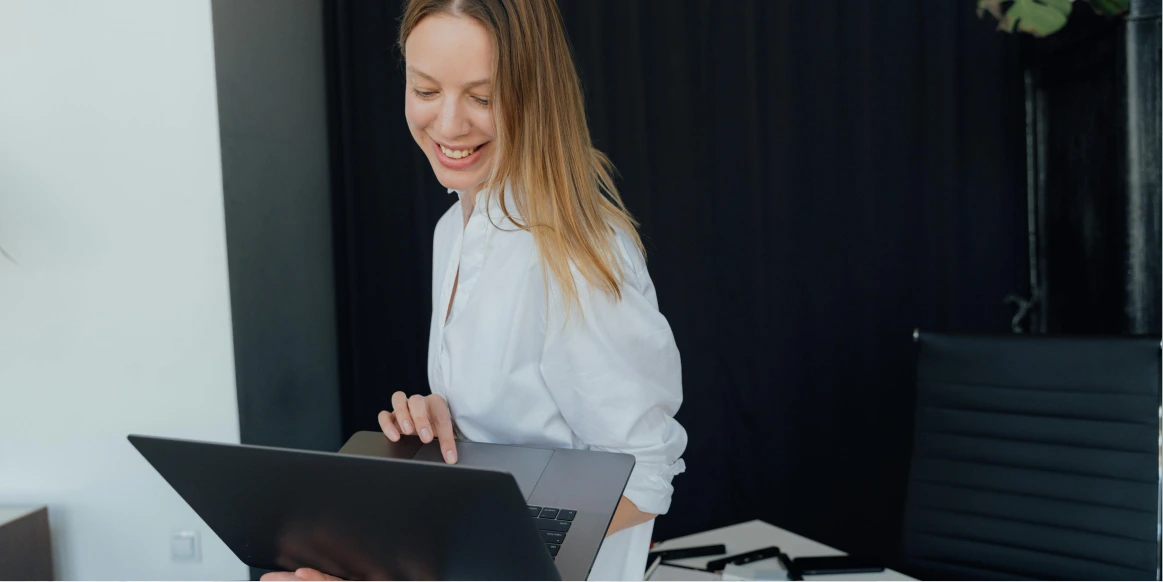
407 426
450 456
425 434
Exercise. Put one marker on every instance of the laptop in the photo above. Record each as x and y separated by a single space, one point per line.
381 510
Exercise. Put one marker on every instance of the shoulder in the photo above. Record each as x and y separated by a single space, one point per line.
631 272
631 260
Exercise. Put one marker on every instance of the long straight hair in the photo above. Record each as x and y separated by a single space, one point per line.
563 188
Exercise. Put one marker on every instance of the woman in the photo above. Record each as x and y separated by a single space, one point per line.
545 327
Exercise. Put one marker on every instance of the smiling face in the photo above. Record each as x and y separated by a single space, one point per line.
448 101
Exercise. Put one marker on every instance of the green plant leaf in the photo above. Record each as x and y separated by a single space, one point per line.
1037 17
1110 7
991 6
1062 6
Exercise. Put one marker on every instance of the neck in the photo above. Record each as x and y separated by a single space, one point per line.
468 202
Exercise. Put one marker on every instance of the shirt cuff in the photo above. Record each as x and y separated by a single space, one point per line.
650 486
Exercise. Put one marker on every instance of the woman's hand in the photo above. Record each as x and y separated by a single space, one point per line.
626 516
421 415
300 574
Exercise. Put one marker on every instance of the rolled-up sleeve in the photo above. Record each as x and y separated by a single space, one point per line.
614 370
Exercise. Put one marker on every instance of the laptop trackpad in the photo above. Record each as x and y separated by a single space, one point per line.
525 463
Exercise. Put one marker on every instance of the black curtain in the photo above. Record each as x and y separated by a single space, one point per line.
815 180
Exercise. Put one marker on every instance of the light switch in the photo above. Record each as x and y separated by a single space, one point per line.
184 547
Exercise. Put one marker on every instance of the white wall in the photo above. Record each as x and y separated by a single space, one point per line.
117 318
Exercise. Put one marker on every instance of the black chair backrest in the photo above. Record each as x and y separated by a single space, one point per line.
1035 457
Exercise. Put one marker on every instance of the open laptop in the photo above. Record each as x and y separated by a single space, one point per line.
383 510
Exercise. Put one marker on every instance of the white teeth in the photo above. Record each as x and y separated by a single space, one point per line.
457 154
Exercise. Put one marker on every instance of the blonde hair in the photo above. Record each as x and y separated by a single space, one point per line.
564 191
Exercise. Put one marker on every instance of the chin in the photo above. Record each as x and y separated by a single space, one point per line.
457 182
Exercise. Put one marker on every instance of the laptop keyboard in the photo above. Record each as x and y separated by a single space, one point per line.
553 524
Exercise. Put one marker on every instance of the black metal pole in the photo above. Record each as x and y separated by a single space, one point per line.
1143 168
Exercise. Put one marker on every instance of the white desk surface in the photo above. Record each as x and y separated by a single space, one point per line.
753 535
11 514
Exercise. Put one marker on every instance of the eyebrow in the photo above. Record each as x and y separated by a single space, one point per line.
469 85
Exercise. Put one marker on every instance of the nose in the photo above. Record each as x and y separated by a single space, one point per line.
452 122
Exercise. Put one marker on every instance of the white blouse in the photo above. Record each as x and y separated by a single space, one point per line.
512 373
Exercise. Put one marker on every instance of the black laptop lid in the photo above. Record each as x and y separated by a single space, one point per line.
355 517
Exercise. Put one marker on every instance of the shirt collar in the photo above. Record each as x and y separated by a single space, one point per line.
494 211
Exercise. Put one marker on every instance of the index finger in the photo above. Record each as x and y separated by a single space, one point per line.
400 411
442 422
313 574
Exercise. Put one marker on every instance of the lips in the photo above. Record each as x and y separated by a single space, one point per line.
458 163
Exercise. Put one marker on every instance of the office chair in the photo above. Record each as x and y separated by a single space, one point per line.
1034 457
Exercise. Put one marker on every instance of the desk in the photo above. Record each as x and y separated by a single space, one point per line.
753 535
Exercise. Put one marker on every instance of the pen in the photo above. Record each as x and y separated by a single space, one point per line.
745 558
692 552
652 568
785 559
669 565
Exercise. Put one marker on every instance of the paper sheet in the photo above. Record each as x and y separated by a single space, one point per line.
664 572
